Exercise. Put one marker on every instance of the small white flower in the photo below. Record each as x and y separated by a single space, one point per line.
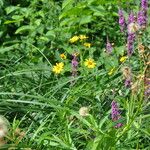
84 111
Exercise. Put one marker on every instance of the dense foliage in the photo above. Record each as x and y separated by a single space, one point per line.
67 78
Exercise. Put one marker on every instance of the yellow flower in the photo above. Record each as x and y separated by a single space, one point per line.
87 45
111 71
58 68
82 37
90 63
123 58
63 56
74 39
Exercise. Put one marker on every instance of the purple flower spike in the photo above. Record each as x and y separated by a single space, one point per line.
130 43
74 63
131 35
109 47
141 19
142 15
131 18
121 20
115 113
144 4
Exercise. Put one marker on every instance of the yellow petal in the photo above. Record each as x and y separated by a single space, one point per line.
123 58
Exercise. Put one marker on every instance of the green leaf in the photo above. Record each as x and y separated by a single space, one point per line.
1 3
11 21
24 28
85 19
6 49
11 9
66 3
51 34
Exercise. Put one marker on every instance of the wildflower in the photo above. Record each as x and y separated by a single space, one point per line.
131 18
88 45
123 59
142 18
115 113
58 68
121 20
132 28
84 111
74 63
63 56
108 46
130 43
82 37
127 76
90 63
144 4
74 39
127 82
142 14
111 71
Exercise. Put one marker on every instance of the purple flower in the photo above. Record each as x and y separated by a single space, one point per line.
127 83
130 43
74 64
118 125
121 20
109 47
142 14
131 35
131 18
115 113
144 4
141 19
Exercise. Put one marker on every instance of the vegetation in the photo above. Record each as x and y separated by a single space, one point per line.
74 75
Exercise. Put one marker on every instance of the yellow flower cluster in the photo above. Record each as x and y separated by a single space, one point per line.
82 37
123 58
58 68
76 38
90 63
88 45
